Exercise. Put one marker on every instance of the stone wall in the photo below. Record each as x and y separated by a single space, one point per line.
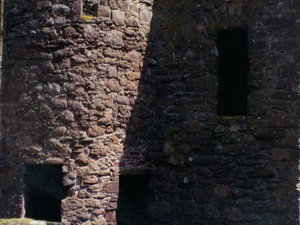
134 91
70 84
225 170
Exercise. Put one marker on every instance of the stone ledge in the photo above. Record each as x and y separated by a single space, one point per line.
25 221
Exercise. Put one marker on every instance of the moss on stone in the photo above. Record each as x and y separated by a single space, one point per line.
17 219
25 221
22 221
88 18
231 118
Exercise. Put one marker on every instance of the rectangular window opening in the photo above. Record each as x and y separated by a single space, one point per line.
90 7
44 191
133 201
233 68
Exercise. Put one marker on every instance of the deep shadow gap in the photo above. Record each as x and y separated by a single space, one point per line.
90 7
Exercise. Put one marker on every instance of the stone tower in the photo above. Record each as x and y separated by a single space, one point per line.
151 112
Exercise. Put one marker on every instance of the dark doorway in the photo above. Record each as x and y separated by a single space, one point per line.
133 202
233 71
44 191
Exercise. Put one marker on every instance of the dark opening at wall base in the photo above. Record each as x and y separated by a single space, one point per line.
134 198
44 191
233 68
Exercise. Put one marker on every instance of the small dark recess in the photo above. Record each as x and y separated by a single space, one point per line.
233 68
44 191
90 7
133 201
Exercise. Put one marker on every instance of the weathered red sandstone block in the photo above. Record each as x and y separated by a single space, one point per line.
111 187
118 17
222 191
110 217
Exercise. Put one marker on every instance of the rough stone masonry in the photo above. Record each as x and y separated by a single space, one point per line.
110 88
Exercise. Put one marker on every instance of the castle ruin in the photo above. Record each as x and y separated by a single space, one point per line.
150 112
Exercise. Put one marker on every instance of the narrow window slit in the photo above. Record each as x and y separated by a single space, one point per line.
233 68
44 191
90 7
133 201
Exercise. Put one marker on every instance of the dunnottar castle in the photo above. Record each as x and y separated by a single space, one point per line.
150 112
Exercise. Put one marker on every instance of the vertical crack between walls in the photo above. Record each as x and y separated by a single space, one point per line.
1 77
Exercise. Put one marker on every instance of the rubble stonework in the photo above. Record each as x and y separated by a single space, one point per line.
133 90
70 85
